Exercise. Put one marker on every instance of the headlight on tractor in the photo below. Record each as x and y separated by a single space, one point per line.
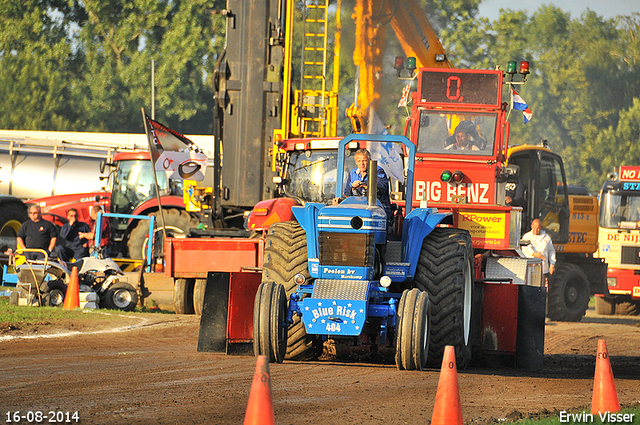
299 279
385 281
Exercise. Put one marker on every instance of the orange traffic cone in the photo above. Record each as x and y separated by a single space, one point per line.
260 406
605 397
447 410
72 297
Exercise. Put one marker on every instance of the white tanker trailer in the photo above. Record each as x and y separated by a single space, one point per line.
43 164
34 164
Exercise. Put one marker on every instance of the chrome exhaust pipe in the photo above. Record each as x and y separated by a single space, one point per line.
372 188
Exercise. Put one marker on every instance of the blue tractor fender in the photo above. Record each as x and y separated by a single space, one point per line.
418 224
307 216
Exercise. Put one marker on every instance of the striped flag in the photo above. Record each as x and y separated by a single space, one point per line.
520 105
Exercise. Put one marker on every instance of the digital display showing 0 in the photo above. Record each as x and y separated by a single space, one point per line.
461 88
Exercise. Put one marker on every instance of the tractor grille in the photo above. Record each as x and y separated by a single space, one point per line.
630 255
340 289
346 249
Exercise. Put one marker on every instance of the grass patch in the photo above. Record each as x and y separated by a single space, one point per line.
14 316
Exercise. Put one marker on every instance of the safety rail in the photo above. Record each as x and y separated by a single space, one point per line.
151 219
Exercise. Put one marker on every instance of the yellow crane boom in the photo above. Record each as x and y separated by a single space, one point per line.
415 34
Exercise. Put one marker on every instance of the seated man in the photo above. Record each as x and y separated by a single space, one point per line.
74 247
465 137
356 184
105 231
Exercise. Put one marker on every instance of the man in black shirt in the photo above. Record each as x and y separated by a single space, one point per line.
74 246
37 233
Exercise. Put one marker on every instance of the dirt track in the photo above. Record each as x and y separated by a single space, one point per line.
150 373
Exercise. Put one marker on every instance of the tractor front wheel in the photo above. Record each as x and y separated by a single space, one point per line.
285 256
269 329
412 331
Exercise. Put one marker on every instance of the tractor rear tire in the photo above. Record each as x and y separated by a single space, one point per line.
605 306
628 308
568 296
445 272
412 331
183 296
285 255
198 295
12 215
120 296
269 314
177 223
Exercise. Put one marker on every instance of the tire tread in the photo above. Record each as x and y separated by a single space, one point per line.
440 272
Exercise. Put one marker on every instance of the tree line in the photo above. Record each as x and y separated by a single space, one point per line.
86 66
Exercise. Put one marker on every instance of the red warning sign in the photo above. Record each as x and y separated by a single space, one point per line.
629 172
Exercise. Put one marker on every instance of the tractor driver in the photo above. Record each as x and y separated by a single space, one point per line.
465 137
356 184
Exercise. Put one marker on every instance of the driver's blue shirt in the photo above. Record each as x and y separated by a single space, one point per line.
383 188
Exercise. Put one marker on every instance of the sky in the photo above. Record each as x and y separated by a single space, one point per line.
605 8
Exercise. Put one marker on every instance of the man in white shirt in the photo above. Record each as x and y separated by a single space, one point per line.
540 247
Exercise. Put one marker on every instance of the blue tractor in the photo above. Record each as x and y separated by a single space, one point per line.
339 271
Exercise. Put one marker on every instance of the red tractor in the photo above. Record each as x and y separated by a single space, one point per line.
131 191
